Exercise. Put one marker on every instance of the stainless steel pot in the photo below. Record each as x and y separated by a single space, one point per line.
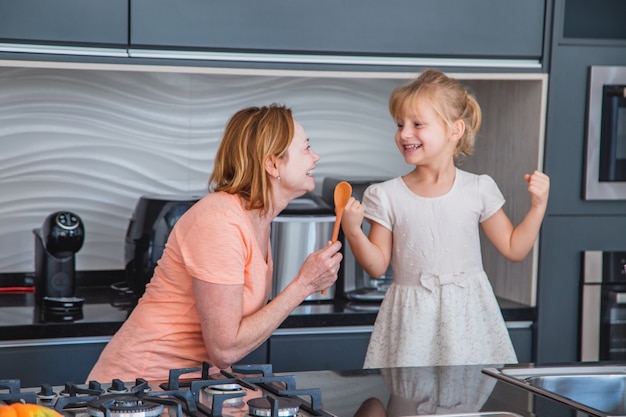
305 226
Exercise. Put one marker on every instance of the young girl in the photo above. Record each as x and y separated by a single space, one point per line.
440 309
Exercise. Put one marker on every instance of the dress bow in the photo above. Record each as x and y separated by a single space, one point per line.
432 281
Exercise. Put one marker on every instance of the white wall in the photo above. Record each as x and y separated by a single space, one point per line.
93 138
94 141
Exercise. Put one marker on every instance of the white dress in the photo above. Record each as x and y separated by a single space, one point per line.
440 308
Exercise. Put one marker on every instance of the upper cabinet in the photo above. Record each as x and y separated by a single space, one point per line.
400 33
601 24
95 23
433 28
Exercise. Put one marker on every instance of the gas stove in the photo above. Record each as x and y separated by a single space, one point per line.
244 391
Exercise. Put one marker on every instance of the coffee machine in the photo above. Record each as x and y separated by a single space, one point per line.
56 243
353 283
152 221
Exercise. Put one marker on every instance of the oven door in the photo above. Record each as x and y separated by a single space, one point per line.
603 309
603 327
613 134
605 166
613 324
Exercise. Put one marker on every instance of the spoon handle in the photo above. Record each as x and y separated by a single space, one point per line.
335 232
336 227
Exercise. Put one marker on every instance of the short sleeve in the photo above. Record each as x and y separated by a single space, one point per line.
490 196
215 249
376 206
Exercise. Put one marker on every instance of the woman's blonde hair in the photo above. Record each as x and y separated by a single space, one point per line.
450 100
251 136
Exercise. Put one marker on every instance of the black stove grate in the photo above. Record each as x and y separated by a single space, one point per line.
278 395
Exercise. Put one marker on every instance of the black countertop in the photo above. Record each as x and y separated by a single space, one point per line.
106 307
407 392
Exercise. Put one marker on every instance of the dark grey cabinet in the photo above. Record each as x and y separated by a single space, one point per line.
522 338
435 28
583 36
345 348
65 22
57 361
603 21
257 356
54 361
339 348
381 29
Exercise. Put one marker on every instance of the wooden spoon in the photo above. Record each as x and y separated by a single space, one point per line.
343 191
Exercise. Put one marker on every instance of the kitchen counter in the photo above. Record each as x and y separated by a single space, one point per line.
107 306
428 390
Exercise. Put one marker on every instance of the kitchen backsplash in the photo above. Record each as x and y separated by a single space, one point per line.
92 139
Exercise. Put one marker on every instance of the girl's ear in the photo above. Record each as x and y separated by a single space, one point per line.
458 129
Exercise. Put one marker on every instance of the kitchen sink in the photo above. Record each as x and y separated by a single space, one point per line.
478 414
598 390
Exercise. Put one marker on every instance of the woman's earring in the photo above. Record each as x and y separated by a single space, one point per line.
278 177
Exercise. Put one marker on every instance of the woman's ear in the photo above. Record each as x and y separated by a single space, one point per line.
271 166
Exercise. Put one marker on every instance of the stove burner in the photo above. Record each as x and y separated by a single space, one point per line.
227 389
262 407
123 406
224 387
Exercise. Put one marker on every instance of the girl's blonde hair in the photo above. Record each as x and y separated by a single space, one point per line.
450 100
252 135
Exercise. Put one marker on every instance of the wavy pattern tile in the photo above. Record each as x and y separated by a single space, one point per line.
94 141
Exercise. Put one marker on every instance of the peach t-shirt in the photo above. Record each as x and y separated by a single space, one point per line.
214 242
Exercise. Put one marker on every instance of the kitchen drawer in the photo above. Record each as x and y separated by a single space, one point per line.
319 348
55 361
521 333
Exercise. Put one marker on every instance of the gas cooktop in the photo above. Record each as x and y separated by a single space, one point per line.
247 390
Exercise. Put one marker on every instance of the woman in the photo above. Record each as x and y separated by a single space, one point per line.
208 298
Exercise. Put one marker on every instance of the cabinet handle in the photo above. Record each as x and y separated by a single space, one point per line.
54 341
323 330
62 50
518 324
332 59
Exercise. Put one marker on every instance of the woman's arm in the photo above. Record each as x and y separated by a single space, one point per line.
228 336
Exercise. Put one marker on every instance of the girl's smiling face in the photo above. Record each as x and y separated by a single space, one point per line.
422 136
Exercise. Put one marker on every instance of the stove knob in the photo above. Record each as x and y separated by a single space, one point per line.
46 393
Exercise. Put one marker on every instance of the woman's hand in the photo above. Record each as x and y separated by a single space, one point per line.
320 268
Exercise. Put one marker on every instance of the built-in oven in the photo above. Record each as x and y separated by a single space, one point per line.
606 134
603 312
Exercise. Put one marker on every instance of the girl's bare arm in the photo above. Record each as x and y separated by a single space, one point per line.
372 252
514 243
